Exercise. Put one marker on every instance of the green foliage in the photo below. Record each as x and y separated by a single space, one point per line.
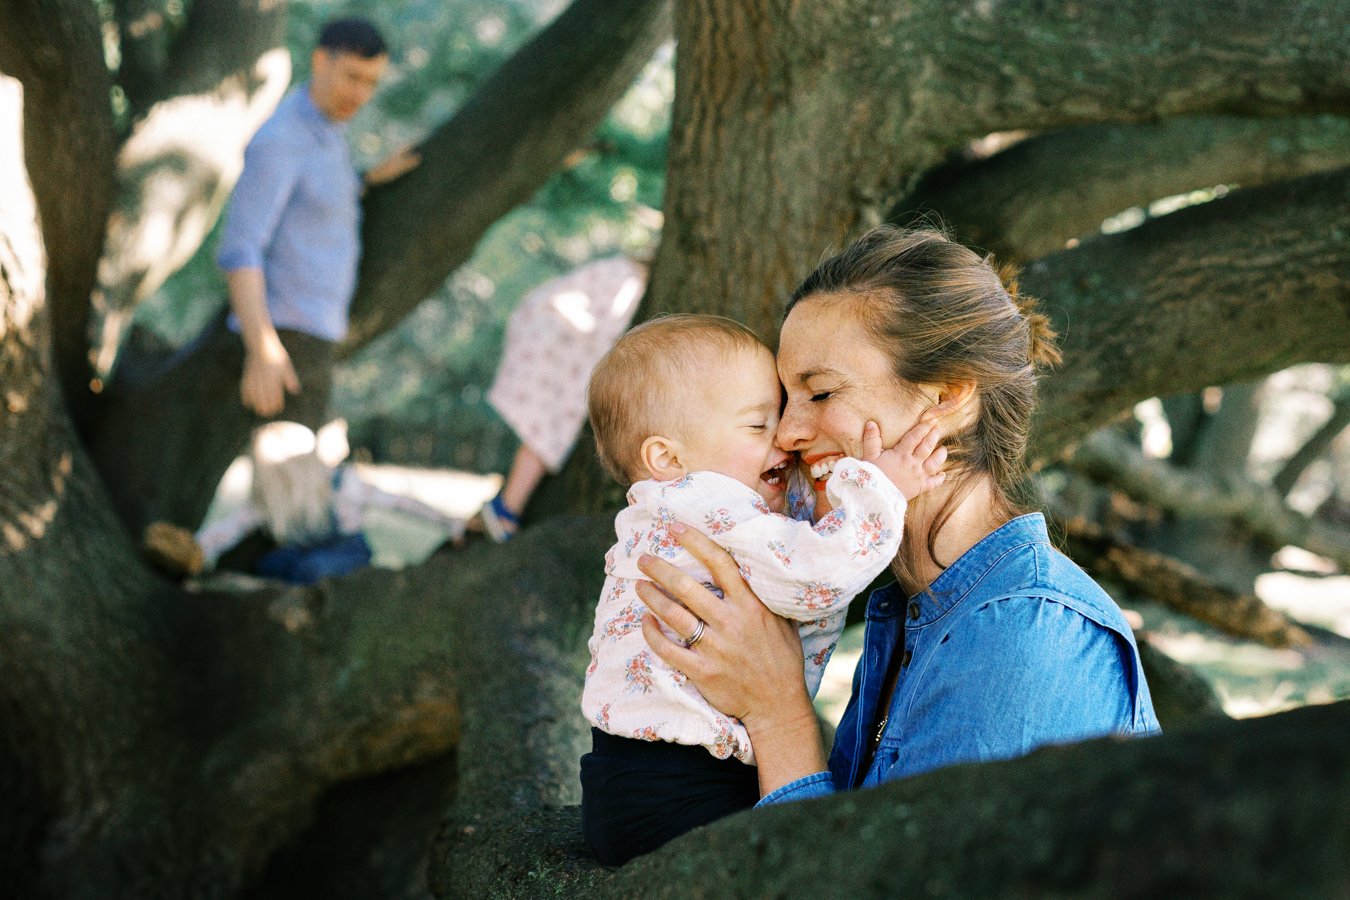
416 394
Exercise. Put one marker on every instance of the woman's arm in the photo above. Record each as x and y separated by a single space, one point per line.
748 663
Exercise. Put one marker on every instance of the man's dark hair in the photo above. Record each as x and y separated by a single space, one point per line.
353 35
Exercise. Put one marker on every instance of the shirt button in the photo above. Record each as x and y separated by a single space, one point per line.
914 609
904 660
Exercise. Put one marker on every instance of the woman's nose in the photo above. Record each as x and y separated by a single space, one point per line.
793 429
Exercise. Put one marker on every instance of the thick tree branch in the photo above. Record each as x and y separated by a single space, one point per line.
55 48
496 151
1203 810
1028 200
1108 457
1222 292
1227 808
1001 66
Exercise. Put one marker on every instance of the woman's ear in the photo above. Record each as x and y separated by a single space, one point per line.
661 458
947 399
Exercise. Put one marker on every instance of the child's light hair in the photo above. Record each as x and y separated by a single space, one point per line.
642 386
292 482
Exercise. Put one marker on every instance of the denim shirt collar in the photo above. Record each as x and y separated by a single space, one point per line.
961 577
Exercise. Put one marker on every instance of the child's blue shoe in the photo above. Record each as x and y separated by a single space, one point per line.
499 522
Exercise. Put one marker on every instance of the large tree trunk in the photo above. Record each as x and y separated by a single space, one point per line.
55 49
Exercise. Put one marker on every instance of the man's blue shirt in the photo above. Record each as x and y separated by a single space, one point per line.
1011 648
296 214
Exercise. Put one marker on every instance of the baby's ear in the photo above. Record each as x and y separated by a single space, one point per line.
661 458
332 446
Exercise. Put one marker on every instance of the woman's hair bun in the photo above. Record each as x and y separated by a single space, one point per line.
1041 349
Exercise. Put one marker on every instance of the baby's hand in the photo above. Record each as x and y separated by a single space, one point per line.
914 464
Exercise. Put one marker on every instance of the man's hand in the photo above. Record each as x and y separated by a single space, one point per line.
268 377
400 162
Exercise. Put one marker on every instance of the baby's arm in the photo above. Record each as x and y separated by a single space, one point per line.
799 570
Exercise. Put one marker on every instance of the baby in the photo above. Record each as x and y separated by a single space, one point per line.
684 409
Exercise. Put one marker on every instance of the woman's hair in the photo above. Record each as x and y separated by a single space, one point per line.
292 485
944 314
643 385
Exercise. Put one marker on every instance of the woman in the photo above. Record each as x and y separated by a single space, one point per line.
992 643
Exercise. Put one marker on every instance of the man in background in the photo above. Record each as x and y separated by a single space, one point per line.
291 241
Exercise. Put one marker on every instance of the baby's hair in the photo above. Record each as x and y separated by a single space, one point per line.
639 387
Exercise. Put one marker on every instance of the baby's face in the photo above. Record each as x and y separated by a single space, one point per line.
733 425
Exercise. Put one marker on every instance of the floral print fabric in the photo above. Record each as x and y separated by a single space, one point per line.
804 572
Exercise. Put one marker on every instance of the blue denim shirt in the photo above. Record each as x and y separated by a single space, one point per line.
1012 647
296 214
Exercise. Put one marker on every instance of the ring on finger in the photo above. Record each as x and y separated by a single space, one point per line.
697 635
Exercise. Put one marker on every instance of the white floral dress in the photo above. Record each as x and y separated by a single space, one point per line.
801 571
554 339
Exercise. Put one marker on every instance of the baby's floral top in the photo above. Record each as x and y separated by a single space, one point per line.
803 572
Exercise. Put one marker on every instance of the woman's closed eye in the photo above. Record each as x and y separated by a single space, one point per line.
821 396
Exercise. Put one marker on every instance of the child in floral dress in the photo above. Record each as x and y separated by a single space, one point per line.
684 409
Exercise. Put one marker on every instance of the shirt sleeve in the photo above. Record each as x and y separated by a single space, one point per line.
215 539
265 186
1018 673
819 784
799 570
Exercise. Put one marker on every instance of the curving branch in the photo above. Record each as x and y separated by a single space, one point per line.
1107 456
1216 293
1028 200
1316 445
500 147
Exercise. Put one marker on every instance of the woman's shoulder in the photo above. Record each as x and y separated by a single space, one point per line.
1035 574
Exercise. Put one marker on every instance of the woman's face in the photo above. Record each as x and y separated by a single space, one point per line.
837 381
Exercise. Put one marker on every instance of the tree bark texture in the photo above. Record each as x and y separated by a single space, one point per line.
1030 199
496 151
1202 812
55 49
780 112
1221 292
1223 808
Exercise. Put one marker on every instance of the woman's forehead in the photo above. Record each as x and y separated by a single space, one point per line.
821 337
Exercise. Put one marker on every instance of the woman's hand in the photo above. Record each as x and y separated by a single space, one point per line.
747 663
